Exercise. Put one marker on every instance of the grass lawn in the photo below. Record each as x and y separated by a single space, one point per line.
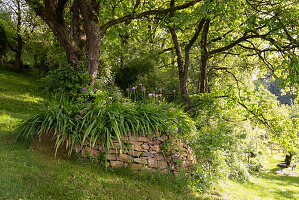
266 185
27 174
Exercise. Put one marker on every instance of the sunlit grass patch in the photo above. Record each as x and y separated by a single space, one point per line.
265 185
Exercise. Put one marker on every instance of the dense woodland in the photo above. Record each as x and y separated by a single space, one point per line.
222 74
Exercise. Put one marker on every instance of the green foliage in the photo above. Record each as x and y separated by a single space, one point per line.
238 169
66 81
136 63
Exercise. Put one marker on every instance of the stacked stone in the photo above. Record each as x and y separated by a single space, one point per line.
156 153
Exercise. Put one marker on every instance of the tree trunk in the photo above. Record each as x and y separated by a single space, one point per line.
94 36
203 75
183 69
288 159
35 61
204 59
18 58
93 51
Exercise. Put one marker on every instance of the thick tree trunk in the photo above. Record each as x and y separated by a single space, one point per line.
288 159
93 47
78 27
72 51
94 36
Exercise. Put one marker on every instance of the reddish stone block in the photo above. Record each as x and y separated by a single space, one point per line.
162 164
116 164
135 166
160 157
152 162
142 139
125 157
140 160
111 157
145 147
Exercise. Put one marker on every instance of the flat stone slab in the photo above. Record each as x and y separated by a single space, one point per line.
287 172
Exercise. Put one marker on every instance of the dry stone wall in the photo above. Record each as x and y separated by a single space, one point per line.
163 153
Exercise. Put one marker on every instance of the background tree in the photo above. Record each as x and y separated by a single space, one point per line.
219 30
3 45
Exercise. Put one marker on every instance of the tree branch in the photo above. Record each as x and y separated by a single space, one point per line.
241 39
146 13
195 36
221 37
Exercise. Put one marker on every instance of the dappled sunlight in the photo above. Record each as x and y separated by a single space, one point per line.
267 186
19 98
7 122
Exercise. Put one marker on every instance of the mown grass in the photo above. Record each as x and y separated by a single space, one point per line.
27 174
265 185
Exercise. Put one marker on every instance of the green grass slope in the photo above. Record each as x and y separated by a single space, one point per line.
27 174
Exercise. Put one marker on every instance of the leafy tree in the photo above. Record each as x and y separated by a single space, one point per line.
81 25
21 28
220 30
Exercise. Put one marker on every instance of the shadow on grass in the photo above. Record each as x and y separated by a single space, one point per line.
177 184
10 81
285 180
28 174
290 194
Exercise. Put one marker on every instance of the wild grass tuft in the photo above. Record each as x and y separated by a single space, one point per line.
104 122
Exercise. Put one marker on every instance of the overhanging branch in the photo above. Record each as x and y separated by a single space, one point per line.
146 13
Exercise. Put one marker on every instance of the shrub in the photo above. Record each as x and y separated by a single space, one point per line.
255 165
66 81
238 170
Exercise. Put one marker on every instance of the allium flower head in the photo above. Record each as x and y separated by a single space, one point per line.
127 89
140 84
84 89
95 90
143 88
150 95
160 89
131 90
134 88
173 91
